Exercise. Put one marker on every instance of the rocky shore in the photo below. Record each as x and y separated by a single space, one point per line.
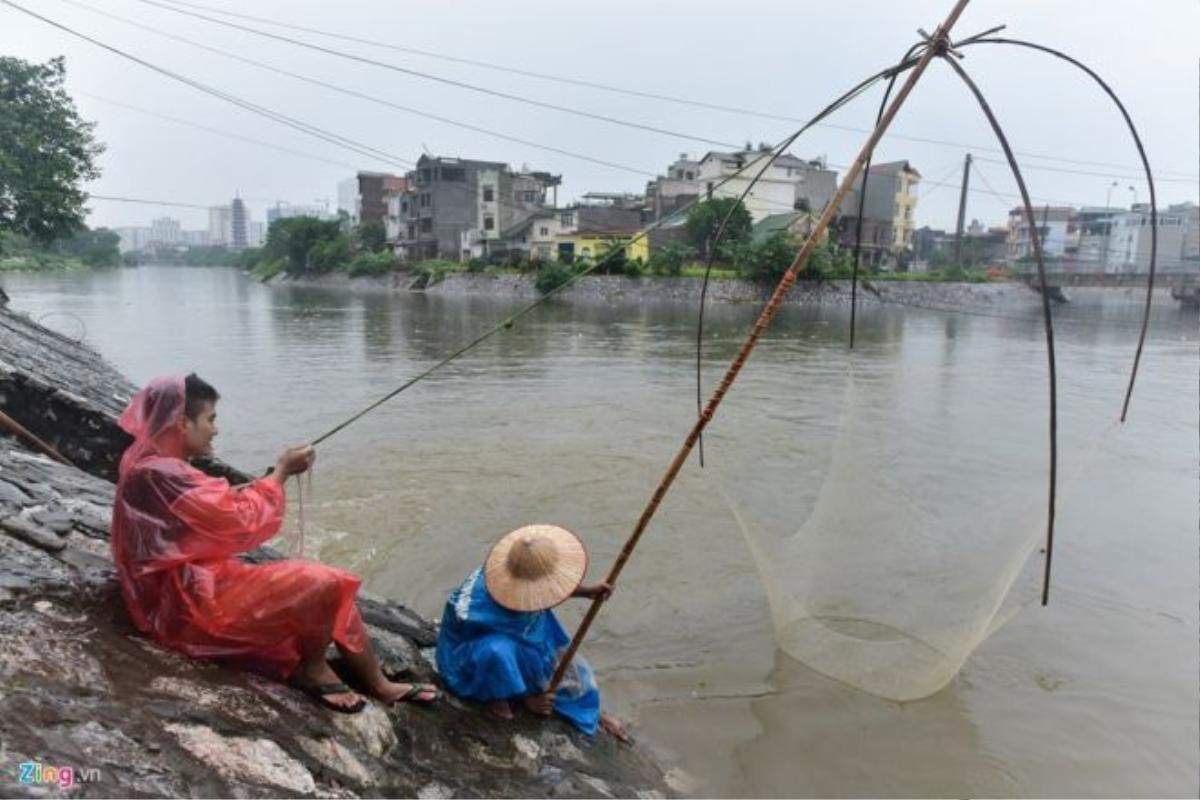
80 688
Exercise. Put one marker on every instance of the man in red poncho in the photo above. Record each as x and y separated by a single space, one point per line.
176 533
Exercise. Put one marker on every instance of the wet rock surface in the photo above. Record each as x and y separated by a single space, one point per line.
80 687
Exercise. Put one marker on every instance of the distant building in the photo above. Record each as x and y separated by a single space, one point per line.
888 215
195 238
166 231
364 198
240 225
931 248
220 225
256 234
1094 225
1129 242
289 210
1189 213
1058 232
133 239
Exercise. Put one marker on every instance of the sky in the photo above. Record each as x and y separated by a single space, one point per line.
786 59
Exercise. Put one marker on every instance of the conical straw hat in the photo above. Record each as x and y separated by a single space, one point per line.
535 567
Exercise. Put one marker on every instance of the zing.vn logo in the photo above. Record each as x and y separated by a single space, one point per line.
65 777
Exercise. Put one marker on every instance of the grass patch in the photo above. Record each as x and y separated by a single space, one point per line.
718 273
267 269
33 261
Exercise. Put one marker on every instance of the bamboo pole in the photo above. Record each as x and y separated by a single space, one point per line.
21 432
937 41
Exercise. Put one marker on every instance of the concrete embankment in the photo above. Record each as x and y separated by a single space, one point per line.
621 289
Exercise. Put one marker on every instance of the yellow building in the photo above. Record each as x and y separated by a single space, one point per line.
594 245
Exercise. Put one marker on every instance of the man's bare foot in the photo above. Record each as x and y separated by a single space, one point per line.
540 704
391 692
316 673
614 726
500 709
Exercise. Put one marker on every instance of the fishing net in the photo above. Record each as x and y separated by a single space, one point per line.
890 570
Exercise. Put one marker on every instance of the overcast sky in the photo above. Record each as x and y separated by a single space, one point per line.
787 59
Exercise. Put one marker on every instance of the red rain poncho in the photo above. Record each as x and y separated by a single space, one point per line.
175 535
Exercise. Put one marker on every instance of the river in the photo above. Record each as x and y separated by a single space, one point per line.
572 416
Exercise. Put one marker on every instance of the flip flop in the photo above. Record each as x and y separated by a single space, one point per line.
321 691
415 690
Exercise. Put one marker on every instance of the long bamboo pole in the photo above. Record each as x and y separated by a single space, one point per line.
21 432
938 40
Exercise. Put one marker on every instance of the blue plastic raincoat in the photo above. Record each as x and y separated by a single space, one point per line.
486 652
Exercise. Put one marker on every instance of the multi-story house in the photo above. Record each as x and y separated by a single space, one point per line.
457 208
1058 232
1130 239
888 215
788 184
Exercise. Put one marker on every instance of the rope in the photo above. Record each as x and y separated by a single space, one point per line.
82 325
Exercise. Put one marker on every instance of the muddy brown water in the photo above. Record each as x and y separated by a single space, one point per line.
572 416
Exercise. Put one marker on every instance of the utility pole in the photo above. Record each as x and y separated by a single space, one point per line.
962 213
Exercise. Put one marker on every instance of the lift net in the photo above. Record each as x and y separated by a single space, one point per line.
900 564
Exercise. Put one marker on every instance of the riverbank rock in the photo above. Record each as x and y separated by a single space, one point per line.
80 687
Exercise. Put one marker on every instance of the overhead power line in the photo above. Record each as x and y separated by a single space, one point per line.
558 78
216 131
364 96
275 116
443 80
142 201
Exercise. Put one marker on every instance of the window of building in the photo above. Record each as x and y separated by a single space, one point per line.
489 194
412 231
489 223
425 175
425 199
403 206
543 231
426 225
454 174
691 176
567 219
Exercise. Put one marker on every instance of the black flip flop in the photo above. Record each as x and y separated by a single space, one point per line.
415 690
320 692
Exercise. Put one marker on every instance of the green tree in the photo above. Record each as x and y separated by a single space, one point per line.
96 248
328 255
292 241
372 237
47 151
704 220
767 260
668 261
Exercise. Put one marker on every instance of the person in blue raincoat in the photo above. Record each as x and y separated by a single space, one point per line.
500 642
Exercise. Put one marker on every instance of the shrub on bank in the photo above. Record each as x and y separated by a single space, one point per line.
552 275
268 268
376 263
